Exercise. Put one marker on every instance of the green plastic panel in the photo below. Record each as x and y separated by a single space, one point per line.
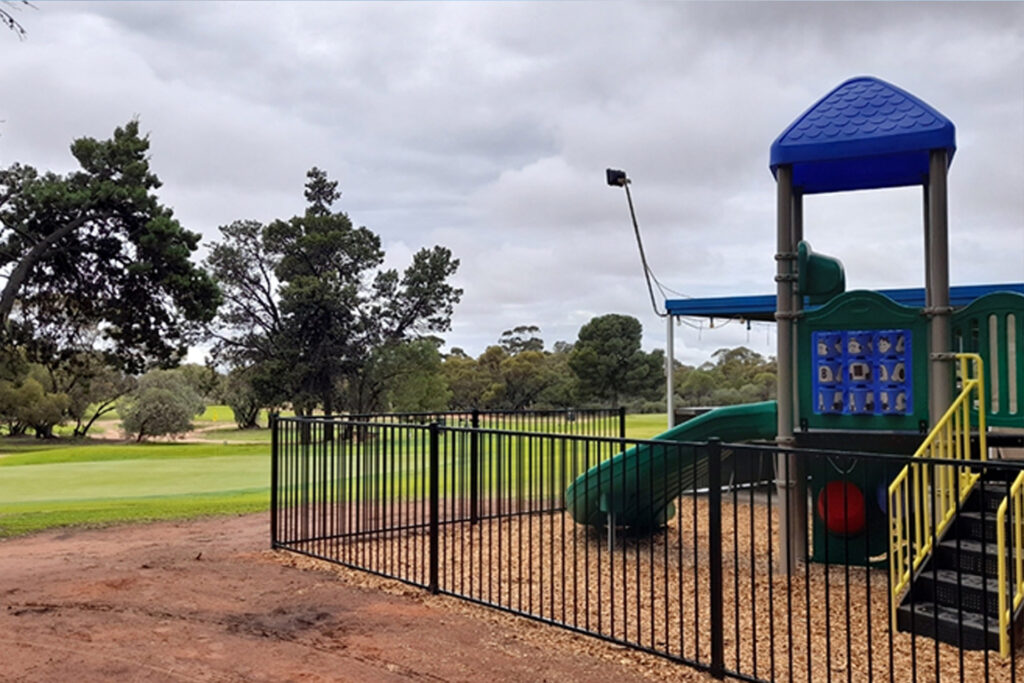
993 327
866 311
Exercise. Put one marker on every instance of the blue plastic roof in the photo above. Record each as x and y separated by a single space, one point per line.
865 134
762 307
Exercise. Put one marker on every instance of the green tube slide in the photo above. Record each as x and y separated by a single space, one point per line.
637 486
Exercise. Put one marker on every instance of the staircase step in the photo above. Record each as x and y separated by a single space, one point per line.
961 628
971 592
989 495
971 525
973 557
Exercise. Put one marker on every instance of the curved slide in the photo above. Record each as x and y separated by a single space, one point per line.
638 486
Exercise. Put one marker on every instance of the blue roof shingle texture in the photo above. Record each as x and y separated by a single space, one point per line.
864 134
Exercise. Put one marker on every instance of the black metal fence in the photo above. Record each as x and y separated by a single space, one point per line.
480 513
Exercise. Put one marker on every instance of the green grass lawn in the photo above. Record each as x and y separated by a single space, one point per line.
82 482
68 482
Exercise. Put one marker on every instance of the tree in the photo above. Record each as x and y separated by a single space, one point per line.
32 402
243 399
467 382
93 388
204 380
609 362
307 298
96 250
8 20
162 404
521 338
525 376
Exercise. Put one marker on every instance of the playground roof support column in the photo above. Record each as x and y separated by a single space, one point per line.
670 354
937 286
797 503
785 282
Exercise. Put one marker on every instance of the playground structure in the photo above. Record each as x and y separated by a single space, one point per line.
840 532
869 371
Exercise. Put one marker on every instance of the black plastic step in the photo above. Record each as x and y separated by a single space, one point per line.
972 556
961 628
989 494
974 525
971 592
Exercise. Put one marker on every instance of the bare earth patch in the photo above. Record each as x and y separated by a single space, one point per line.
205 601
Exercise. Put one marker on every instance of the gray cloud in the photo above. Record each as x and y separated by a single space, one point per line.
487 127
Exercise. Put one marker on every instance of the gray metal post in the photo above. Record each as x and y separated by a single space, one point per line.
714 458
785 277
796 481
670 354
940 389
927 249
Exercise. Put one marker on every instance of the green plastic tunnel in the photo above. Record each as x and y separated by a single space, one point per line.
638 486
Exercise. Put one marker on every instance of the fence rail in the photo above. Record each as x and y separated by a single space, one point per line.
479 514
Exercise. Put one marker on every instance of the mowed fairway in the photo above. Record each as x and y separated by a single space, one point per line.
91 483
68 483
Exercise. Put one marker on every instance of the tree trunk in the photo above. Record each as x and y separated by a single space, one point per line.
28 261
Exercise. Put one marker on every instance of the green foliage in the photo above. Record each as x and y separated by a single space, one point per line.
308 305
204 380
521 338
410 375
32 402
242 398
162 404
609 362
93 256
733 376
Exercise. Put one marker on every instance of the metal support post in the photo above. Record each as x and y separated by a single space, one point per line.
715 556
940 388
785 259
669 371
275 453
474 468
434 507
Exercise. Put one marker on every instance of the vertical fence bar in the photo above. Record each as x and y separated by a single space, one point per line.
715 556
474 469
274 454
433 504
622 422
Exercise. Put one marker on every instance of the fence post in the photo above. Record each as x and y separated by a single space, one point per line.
474 469
714 450
274 473
622 422
434 476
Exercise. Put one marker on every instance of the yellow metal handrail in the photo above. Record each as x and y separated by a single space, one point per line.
1015 501
911 528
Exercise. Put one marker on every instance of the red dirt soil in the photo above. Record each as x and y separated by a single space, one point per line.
205 601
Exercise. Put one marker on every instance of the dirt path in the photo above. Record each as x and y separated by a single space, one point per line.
205 601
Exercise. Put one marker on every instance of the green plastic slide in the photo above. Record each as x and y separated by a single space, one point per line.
638 486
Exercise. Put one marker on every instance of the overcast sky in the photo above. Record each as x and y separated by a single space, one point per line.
486 127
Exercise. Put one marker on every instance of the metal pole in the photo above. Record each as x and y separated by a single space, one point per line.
274 475
434 522
796 506
927 248
940 388
474 468
785 257
670 350
715 556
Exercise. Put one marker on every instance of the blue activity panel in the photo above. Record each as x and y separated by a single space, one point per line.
862 372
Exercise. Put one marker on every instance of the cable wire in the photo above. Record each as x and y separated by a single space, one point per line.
643 257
